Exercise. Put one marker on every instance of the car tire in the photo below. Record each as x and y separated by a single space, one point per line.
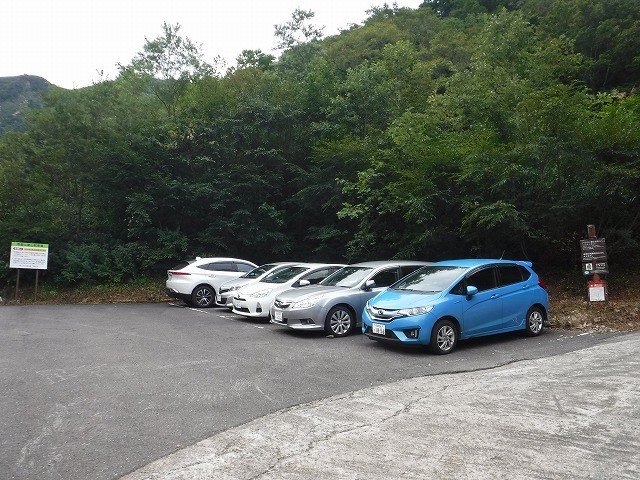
534 322
340 322
203 296
444 337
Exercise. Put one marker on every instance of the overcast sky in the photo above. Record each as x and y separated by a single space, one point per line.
69 41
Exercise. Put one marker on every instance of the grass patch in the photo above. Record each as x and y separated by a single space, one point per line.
148 290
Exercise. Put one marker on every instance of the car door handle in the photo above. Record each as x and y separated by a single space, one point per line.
495 295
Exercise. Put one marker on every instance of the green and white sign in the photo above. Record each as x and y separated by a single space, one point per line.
29 255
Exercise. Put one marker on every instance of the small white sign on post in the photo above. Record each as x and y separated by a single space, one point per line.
32 256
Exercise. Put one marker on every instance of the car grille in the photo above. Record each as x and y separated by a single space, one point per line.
281 303
284 321
243 309
388 334
382 315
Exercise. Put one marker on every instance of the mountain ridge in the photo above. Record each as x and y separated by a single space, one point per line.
17 93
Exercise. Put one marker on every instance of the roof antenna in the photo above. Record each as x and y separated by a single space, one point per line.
502 256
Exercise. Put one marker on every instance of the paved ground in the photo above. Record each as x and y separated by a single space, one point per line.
576 415
98 391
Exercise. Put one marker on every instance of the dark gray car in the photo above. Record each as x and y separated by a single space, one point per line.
335 305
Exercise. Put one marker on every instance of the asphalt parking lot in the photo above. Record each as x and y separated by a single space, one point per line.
100 391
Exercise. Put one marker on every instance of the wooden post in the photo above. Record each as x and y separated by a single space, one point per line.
35 294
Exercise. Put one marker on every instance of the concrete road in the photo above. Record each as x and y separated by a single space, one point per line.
576 415
99 391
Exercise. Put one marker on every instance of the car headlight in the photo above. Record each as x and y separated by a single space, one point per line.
410 312
368 308
261 293
306 303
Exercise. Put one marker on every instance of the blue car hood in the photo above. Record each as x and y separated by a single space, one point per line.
395 300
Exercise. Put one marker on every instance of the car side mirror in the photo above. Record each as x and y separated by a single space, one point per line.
471 291
304 283
369 284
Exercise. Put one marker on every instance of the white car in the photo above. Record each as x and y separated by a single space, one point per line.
197 281
255 299
224 298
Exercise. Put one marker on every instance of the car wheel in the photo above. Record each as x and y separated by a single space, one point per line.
202 296
339 322
534 322
444 337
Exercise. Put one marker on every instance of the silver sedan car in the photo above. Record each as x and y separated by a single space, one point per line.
335 305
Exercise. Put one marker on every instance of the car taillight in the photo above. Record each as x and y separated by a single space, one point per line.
179 273
541 283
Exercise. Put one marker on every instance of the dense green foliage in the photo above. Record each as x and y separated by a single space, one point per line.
462 128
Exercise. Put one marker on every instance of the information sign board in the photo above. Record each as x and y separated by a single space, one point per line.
32 256
597 291
594 256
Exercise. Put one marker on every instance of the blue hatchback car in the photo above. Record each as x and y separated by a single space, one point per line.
452 300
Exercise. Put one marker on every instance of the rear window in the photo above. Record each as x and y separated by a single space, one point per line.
181 265
219 266
526 274
509 274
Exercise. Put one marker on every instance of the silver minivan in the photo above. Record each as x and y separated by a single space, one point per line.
335 305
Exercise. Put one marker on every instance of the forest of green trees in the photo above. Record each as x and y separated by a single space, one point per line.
463 128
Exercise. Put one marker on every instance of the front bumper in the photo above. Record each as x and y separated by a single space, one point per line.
252 307
224 299
304 319
400 330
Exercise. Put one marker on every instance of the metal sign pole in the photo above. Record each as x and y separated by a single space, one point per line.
17 284
35 294
591 234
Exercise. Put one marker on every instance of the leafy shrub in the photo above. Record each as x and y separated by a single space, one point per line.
88 263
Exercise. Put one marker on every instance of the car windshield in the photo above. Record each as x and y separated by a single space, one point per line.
282 276
261 270
430 279
346 277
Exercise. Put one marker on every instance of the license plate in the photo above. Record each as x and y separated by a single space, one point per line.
277 316
378 329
